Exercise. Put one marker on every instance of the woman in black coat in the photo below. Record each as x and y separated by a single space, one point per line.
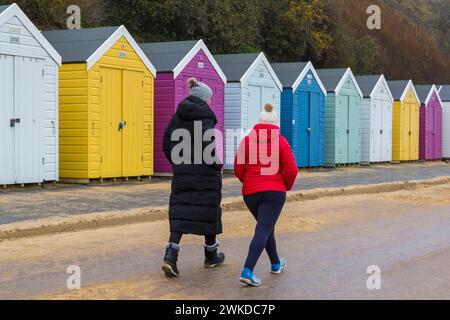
197 180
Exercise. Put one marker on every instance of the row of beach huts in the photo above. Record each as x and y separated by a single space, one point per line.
92 104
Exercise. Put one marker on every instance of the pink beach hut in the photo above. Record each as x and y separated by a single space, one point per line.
175 63
430 139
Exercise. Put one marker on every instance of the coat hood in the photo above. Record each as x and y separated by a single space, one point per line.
193 108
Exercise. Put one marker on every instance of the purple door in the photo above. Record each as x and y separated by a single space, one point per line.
438 132
429 132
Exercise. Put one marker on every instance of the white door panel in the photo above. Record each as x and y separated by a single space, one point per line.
6 114
28 109
254 105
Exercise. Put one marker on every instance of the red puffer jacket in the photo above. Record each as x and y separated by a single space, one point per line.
255 166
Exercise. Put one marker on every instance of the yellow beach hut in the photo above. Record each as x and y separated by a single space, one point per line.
405 125
106 87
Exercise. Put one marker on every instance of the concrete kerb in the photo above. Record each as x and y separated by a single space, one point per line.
112 219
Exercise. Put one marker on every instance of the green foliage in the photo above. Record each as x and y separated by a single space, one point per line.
296 30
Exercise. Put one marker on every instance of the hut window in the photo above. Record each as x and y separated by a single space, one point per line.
122 54
201 65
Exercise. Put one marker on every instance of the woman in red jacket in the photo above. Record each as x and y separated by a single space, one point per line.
266 166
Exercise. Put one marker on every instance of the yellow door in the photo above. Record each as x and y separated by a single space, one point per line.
405 141
133 117
111 117
414 151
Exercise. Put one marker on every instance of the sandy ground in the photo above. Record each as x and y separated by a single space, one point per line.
328 243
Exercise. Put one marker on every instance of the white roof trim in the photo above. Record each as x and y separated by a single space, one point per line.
309 66
14 10
430 94
185 61
261 57
120 32
347 74
381 80
410 85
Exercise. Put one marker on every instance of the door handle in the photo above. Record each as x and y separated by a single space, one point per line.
381 131
309 130
348 131
122 124
12 122
410 132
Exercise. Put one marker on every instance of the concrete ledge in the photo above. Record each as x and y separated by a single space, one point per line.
111 219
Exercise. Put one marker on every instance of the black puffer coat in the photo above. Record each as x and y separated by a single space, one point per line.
196 188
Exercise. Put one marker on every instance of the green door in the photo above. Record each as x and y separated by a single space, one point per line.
353 137
343 129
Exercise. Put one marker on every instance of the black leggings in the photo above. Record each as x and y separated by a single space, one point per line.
175 237
266 208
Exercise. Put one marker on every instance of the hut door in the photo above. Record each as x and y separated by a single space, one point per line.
6 114
379 114
133 115
254 105
414 137
386 154
111 117
354 132
303 147
429 132
344 129
406 120
314 138
375 141
28 111
438 132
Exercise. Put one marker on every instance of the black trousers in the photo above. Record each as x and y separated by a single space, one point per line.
175 237
266 208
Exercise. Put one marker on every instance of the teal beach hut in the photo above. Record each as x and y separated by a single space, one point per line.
341 117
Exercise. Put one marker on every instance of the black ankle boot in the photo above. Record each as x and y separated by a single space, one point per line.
170 260
212 258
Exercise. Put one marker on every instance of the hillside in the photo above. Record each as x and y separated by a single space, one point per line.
414 41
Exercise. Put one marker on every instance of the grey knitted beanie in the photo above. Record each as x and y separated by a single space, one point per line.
199 90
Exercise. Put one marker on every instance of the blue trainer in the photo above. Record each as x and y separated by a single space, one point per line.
278 267
249 278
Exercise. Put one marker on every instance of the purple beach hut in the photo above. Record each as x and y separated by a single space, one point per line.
430 138
175 63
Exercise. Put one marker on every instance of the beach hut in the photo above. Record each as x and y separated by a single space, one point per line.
302 111
444 94
29 101
251 83
405 121
106 104
176 62
342 129
430 128
376 119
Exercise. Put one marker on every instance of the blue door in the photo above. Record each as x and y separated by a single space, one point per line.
314 132
303 145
